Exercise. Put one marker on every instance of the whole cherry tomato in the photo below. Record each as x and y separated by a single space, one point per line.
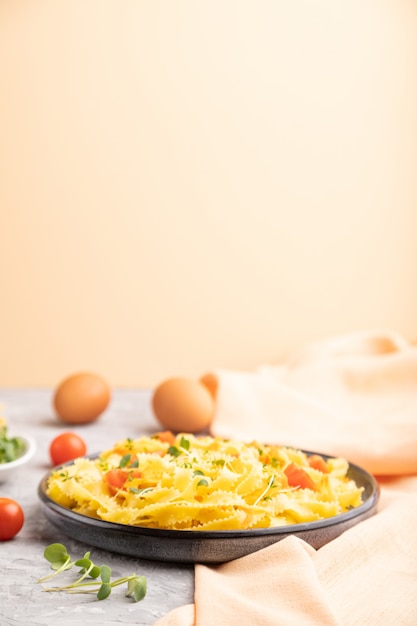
66 447
11 518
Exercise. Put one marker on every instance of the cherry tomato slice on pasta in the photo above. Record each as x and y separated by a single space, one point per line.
297 477
317 462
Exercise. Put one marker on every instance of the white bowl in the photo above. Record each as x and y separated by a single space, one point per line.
9 468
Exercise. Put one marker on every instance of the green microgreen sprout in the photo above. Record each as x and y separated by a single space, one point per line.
265 491
136 588
60 561
184 443
126 461
103 464
58 557
87 568
184 447
138 491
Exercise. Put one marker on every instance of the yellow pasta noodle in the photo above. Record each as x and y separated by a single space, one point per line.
204 483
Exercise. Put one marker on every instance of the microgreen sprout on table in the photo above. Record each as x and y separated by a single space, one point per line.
92 578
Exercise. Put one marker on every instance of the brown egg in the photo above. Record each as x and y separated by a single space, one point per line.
183 405
81 398
210 381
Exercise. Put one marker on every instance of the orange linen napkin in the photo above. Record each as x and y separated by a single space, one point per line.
354 396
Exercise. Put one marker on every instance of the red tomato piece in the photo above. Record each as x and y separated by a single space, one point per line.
265 458
66 447
317 462
297 477
11 518
167 436
115 479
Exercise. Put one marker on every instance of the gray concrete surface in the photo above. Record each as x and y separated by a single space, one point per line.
22 599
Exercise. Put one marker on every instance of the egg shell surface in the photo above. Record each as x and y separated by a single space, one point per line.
210 381
183 405
81 398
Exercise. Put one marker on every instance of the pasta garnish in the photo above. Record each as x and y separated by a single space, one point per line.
204 483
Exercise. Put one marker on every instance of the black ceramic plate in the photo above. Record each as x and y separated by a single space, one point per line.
188 546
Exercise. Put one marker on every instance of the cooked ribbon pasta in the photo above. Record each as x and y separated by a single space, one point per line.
204 483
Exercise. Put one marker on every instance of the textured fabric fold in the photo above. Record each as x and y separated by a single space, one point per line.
277 585
355 396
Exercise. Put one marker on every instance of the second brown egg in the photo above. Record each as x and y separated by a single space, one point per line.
183 405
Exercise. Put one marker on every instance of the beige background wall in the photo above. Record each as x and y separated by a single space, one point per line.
193 184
